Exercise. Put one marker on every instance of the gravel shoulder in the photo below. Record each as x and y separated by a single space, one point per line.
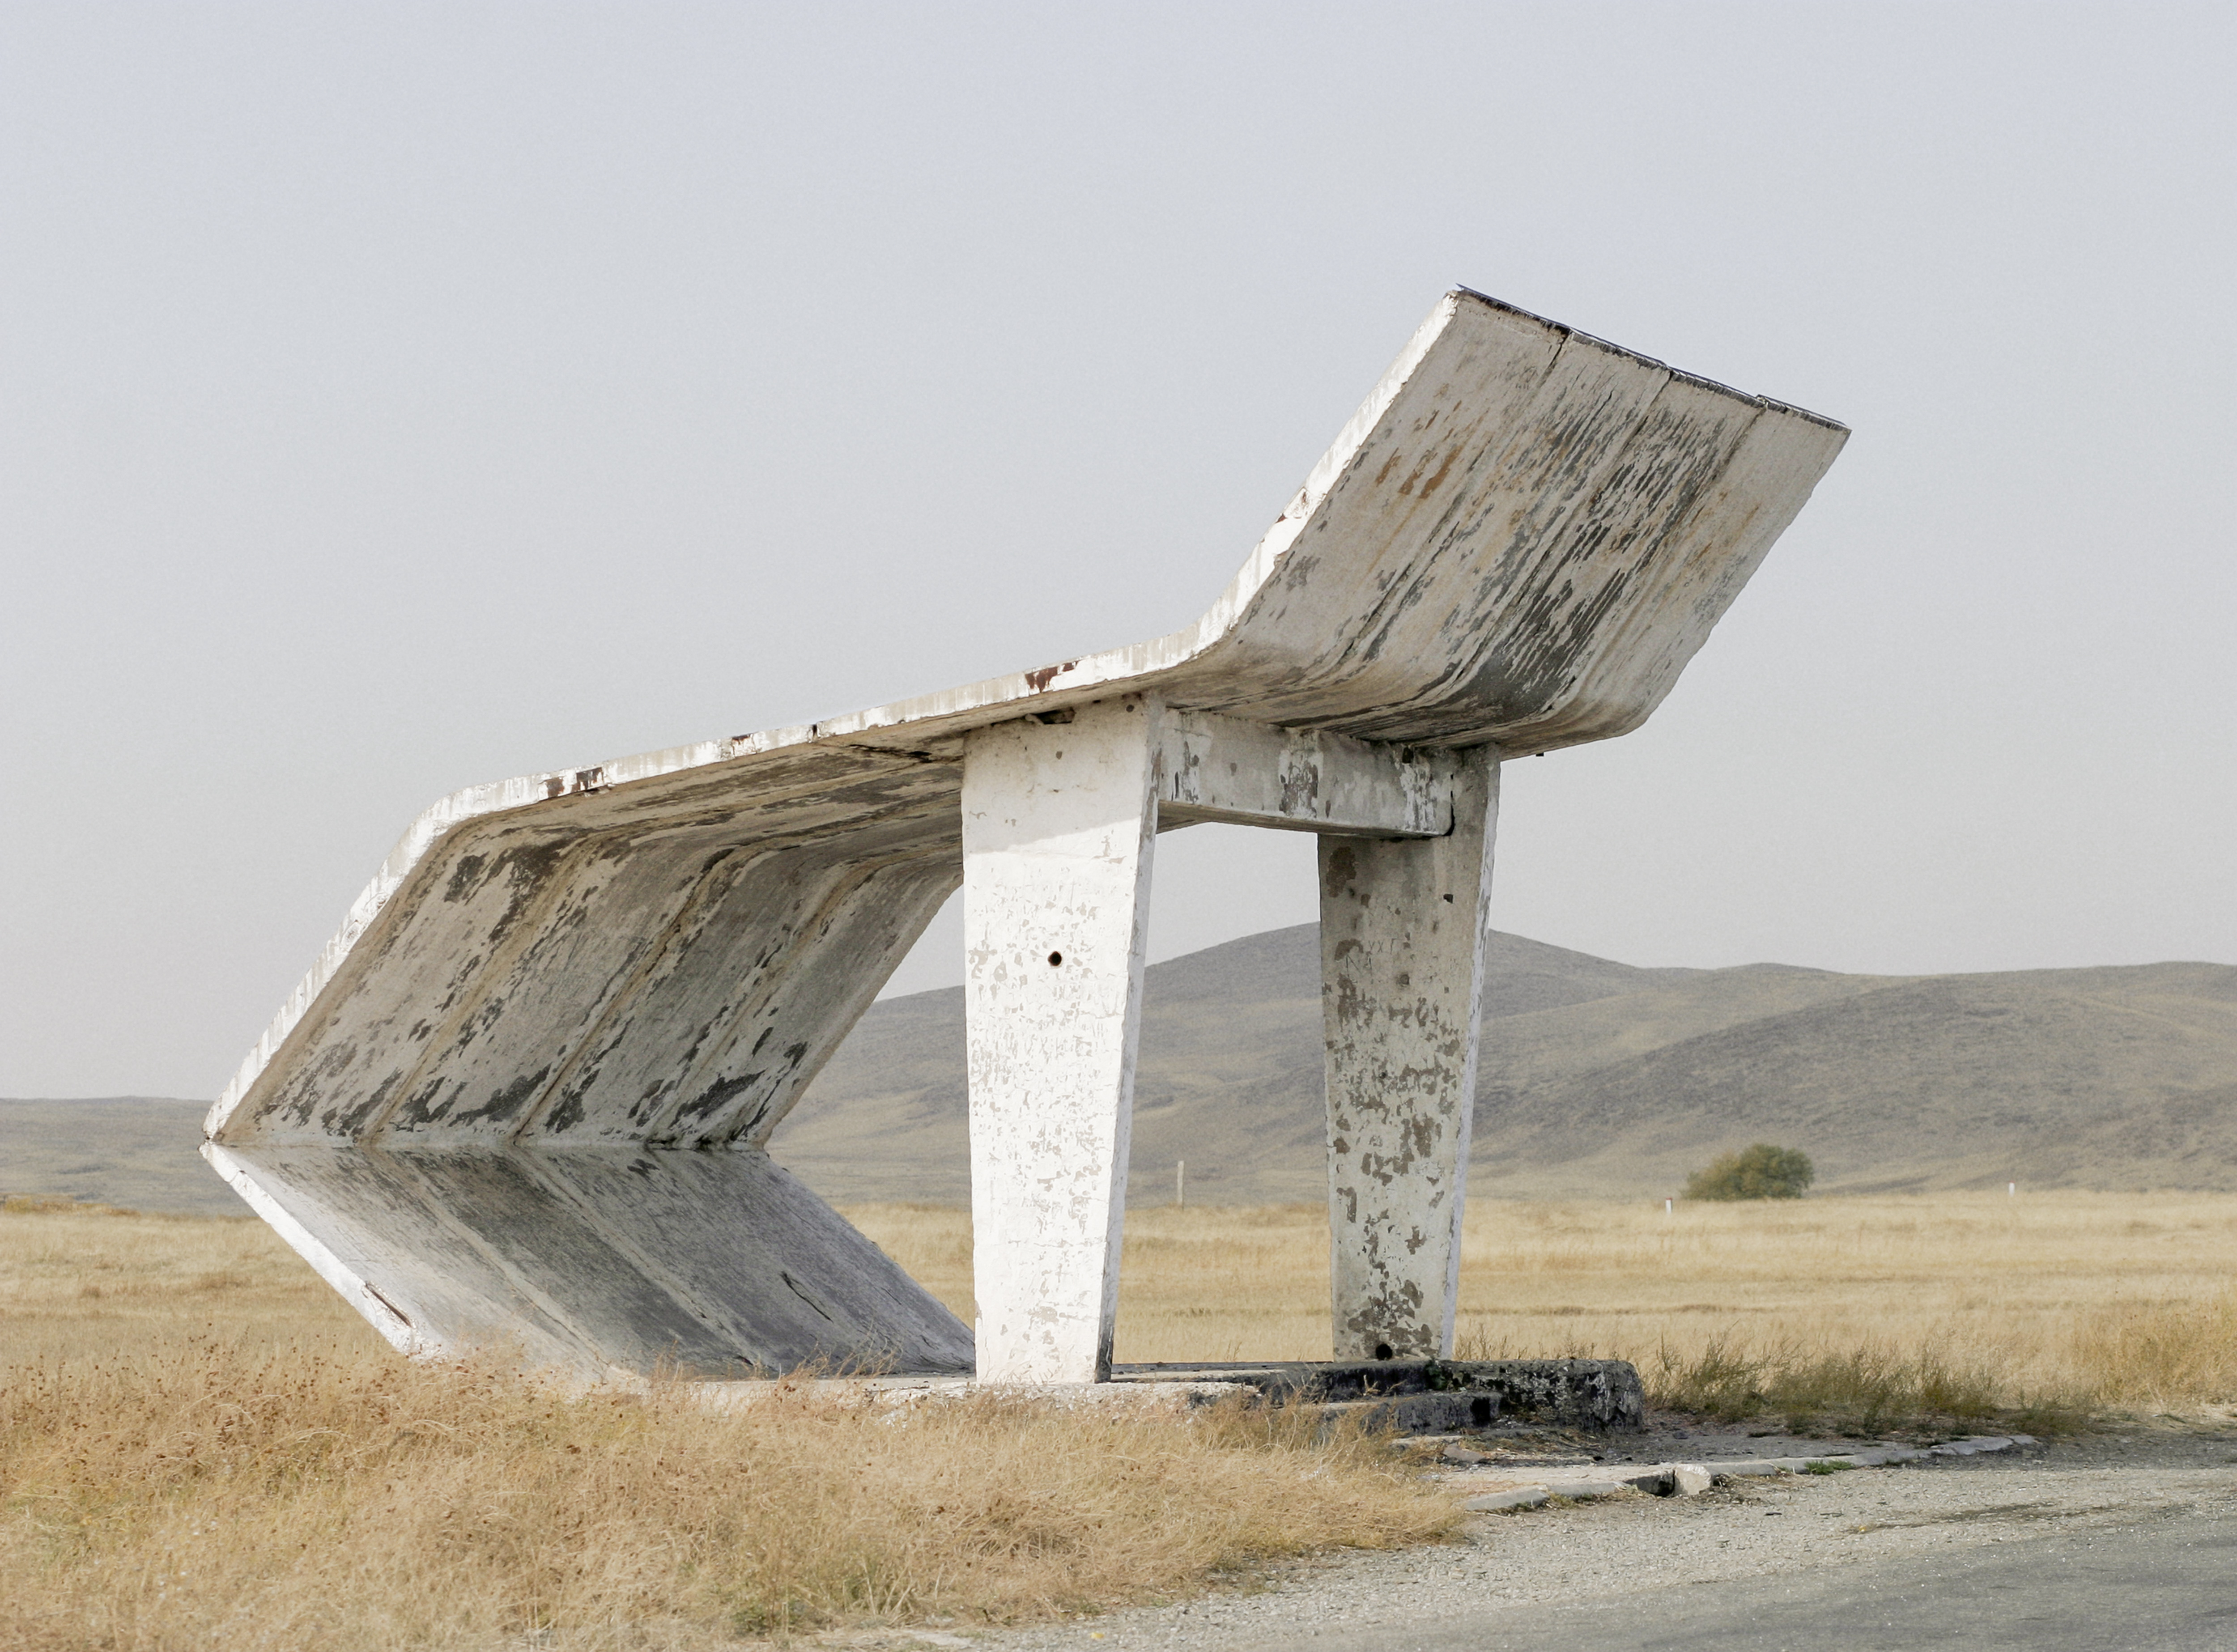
2133 1480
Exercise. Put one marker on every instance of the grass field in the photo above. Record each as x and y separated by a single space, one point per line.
199 1445
2077 1300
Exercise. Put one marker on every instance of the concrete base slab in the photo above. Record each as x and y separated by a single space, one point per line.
898 1393
1408 1397
1433 1396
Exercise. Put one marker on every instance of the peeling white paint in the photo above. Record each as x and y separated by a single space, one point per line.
1403 928
1058 823
1299 780
570 1008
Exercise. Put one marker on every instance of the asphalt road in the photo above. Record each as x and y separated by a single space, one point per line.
2113 1541
2167 1582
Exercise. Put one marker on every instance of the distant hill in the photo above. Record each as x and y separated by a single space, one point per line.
143 1152
1597 1078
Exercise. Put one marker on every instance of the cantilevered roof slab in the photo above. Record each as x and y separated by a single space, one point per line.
1518 541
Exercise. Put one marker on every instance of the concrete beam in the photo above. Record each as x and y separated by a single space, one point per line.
1059 820
1298 780
1403 926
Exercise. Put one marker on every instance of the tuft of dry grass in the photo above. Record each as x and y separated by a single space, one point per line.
1946 1306
1869 1312
2159 1355
89 1281
1865 1389
200 1445
2156 1356
290 1497
172 1476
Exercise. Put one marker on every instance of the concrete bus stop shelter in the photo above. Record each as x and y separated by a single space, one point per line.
525 1095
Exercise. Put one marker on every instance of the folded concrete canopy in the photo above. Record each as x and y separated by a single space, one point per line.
525 1095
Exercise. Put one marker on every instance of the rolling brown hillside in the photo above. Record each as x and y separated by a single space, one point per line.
1600 1078
1597 1079
141 1152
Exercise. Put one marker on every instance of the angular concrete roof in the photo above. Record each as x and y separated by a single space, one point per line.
1520 539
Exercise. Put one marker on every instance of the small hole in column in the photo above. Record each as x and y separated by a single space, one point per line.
1382 1351
1480 1413
1056 957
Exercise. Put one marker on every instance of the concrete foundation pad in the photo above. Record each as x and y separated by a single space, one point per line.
897 1392
1408 1397
1437 1396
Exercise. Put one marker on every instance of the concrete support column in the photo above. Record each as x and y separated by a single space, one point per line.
1402 927
1059 819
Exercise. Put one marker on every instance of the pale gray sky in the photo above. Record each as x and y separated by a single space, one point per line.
400 396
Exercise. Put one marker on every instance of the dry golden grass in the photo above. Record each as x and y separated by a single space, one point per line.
1967 1304
208 1497
199 1446
175 1474
2125 1298
91 1282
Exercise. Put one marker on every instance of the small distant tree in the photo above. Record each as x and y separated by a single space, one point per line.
1760 1172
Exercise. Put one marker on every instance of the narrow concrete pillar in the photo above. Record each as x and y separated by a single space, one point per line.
1059 819
1402 927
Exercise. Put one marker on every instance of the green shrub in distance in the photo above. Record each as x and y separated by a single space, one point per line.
1760 1172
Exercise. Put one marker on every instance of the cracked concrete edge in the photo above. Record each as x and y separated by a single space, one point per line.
899 1395
1875 1456
1529 1497
1688 1479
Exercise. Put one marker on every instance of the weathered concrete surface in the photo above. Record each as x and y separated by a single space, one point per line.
1402 926
1589 1394
1507 1489
894 1396
1580 1393
1517 541
595 1261
1500 1485
1300 780
1059 821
